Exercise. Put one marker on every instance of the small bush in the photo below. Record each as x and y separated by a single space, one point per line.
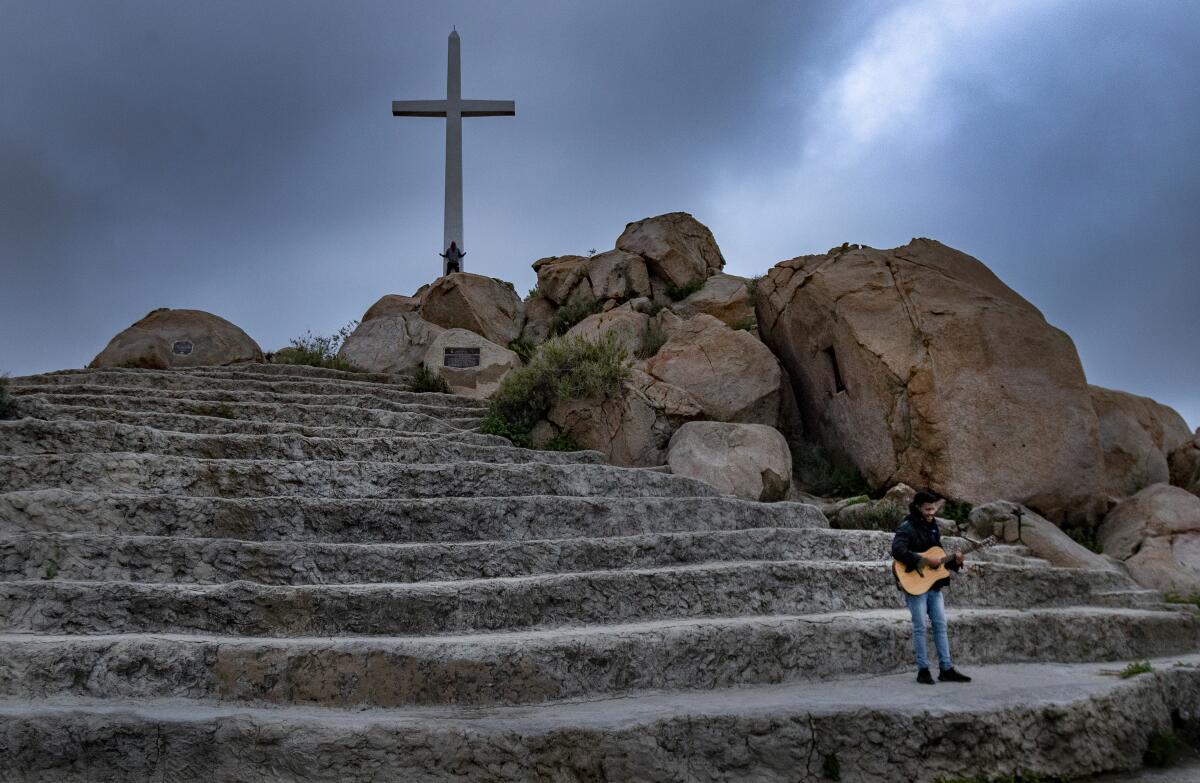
8 406
572 313
1163 749
1084 536
958 511
534 293
818 473
427 380
1134 669
524 348
312 350
677 292
652 339
752 290
1180 598
746 324
562 368
498 425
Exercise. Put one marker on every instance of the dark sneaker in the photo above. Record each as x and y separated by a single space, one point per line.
924 677
952 675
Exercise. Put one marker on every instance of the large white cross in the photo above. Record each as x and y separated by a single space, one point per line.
454 108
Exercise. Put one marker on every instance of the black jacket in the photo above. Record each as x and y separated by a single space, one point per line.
915 536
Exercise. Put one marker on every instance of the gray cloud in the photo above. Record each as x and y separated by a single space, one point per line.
241 158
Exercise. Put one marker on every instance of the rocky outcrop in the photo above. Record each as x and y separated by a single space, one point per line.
724 297
478 381
618 275
1157 535
1137 435
917 364
392 305
730 373
390 341
1015 524
483 305
676 247
562 278
751 461
628 327
539 315
167 338
1185 465
635 427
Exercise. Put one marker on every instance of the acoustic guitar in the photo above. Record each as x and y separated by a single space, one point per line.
917 581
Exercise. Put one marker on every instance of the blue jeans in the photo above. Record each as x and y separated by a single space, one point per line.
929 605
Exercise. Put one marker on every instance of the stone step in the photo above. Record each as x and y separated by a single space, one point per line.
154 474
1049 719
719 589
248 370
403 520
90 557
539 666
213 425
50 406
150 379
211 398
40 436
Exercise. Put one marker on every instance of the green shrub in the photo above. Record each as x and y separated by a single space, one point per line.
562 368
1180 598
1163 749
1134 669
312 350
533 292
818 473
572 313
746 324
752 290
1085 536
498 425
562 442
427 380
652 339
957 510
524 348
8 406
677 292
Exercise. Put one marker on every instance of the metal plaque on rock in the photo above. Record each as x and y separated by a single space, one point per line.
181 347
461 357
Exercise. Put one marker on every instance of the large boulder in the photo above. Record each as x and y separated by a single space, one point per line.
751 461
562 278
167 338
1185 465
389 343
483 305
539 317
1137 435
676 247
729 372
392 305
919 365
480 380
618 275
633 428
724 297
627 326
1013 523
1157 534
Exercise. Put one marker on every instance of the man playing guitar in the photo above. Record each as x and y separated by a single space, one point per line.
916 535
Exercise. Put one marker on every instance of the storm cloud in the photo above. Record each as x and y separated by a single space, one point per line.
240 157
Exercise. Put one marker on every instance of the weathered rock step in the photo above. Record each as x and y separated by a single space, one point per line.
90 557
540 666
248 370
147 380
323 415
133 397
211 425
39 436
375 520
154 474
1044 719
584 598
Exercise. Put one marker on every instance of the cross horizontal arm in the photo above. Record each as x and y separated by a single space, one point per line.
418 108
487 108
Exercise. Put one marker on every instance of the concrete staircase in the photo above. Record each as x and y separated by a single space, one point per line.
283 573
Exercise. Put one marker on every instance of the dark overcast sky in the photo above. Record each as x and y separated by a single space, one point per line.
240 157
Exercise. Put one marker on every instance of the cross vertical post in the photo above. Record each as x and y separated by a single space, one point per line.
454 109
